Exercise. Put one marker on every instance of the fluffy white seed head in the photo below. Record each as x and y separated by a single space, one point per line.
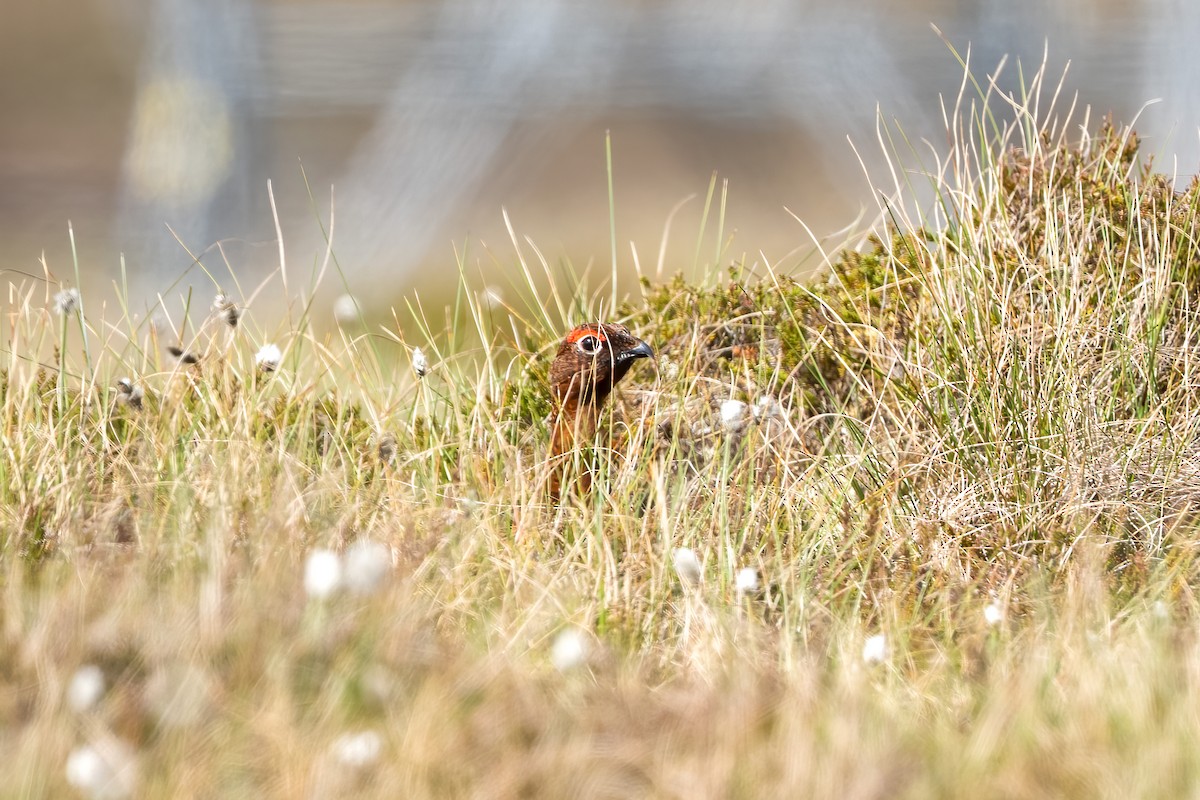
129 393
184 356
103 771
687 565
993 613
227 310
492 298
322 574
387 448
733 414
875 649
357 750
420 362
86 688
268 357
86 769
570 649
66 302
346 309
365 566
767 407
747 581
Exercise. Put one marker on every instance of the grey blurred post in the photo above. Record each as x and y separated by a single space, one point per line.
475 69
189 155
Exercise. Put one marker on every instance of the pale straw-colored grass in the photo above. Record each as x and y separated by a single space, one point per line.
945 546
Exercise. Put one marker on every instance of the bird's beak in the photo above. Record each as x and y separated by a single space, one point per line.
640 350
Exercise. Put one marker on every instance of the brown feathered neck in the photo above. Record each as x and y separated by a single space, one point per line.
590 362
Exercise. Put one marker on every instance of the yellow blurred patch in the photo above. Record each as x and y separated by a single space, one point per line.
182 143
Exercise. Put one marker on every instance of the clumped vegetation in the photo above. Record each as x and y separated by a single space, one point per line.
923 523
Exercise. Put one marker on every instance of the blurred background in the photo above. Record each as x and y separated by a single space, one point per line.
428 117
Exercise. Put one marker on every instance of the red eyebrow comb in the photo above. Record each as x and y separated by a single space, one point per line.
585 330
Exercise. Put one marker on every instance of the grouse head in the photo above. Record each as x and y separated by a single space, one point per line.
590 361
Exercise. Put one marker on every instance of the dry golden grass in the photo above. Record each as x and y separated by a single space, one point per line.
920 526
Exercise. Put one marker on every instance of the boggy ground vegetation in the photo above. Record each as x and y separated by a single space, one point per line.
923 523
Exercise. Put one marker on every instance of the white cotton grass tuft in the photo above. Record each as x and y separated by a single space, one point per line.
227 310
86 688
129 393
387 448
67 302
747 581
733 414
184 356
767 407
87 770
492 298
365 566
268 357
570 649
687 566
357 750
1160 610
322 574
993 613
105 770
420 362
346 309
875 649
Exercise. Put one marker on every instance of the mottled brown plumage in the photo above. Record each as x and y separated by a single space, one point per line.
591 360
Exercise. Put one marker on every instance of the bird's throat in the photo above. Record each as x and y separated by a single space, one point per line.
575 423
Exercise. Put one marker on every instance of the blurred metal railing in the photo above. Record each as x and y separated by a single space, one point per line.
448 82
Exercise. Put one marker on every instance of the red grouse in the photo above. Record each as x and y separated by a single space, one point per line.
589 363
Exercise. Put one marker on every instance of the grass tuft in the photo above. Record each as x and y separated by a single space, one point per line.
921 523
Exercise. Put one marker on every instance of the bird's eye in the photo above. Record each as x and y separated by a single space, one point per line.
589 345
